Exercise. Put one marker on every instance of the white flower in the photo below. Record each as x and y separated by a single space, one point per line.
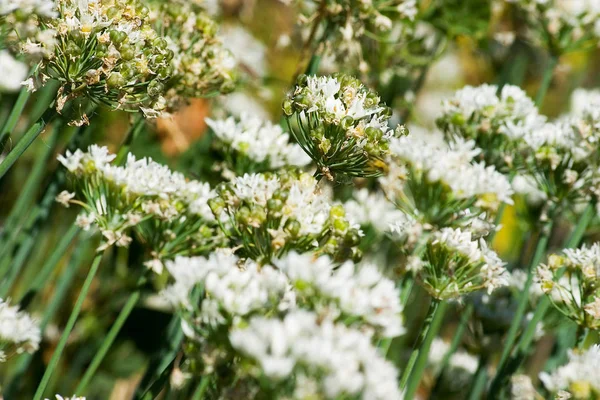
367 208
582 370
358 291
13 72
64 197
346 361
259 140
246 49
18 331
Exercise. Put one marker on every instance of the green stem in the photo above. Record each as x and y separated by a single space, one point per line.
516 323
15 114
108 341
435 318
25 141
23 202
420 339
201 389
134 129
582 335
458 334
17 264
480 378
546 80
48 267
68 328
60 291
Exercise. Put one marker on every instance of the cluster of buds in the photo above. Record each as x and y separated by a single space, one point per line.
562 25
349 21
341 124
497 120
453 265
572 282
267 215
250 145
201 66
307 305
439 186
168 213
110 52
18 332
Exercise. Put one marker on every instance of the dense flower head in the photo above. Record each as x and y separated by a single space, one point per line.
109 52
561 160
328 360
454 264
18 331
562 25
105 50
142 196
579 378
350 20
238 293
271 214
341 124
201 66
251 144
572 282
497 122
437 183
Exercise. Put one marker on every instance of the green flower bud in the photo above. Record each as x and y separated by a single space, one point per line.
274 205
217 205
346 123
155 88
115 80
292 227
337 211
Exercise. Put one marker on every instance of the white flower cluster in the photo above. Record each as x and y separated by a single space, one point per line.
342 311
454 264
451 166
117 198
372 209
262 142
287 208
572 280
18 331
511 112
563 25
359 291
340 123
46 8
579 378
330 360
234 288
498 122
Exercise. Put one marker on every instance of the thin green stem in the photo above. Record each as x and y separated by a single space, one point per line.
134 129
516 323
34 178
16 265
26 140
546 80
50 309
458 334
481 376
68 328
582 335
433 305
108 341
15 114
48 267
201 389
435 318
